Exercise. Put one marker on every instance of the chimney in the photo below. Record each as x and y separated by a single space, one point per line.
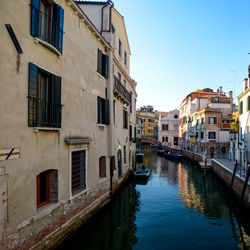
245 83
220 88
231 97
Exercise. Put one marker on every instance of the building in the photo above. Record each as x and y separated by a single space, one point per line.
169 128
68 113
240 142
151 119
140 126
205 122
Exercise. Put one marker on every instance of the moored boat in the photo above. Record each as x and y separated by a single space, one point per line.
160 152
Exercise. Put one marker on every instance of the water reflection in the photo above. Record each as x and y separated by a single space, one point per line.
178 208
113 228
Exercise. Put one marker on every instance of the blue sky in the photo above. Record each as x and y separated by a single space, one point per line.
179 46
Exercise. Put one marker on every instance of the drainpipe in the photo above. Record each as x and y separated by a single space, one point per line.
3 206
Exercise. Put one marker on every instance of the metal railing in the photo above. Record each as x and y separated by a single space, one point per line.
121 91
44 113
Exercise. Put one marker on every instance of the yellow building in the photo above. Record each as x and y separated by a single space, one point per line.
150 119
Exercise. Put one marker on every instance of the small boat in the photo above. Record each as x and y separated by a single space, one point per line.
142 172
175 156
160 152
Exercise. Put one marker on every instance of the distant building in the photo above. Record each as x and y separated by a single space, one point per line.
140 126
151 119
168 127
205 122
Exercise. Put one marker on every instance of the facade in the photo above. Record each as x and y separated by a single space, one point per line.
140 126
68 116
151 119
205 122
169 128
240 142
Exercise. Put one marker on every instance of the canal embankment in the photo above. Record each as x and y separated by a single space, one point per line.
221 167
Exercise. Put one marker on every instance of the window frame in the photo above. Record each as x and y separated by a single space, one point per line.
70 171
210 133
102 64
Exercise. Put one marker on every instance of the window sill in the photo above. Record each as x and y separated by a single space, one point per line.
100 75
48 45
36 129
85 191
100 125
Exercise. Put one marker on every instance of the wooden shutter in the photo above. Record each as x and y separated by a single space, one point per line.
106 113
34 19
32 95
105 66
56 103
215 120
98 109
99 61
60 30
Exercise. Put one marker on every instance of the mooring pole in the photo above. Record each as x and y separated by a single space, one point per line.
236 164
243 190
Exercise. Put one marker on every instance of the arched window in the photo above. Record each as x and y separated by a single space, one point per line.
102 167
47 187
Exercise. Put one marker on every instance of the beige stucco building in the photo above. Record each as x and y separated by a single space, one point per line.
68 113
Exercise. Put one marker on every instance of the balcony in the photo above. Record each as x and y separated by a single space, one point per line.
120 92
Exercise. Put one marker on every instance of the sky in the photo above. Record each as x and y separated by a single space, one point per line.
179 46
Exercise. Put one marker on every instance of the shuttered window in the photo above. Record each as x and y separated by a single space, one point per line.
102 64
44 98
125 119
102 110
241 107
248 104
46 22
102 167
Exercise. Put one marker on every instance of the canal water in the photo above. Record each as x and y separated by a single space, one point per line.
178 208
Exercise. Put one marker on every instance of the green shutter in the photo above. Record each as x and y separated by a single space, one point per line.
99 61
105 64
98 109
106 113
56 102
34 17
32 95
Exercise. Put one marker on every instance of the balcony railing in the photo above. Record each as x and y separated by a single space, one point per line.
121 92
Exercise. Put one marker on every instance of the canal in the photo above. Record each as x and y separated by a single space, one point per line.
178 208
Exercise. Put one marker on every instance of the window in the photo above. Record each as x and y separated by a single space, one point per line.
125 154
125 58
166 139
202 120
248 104
119 77
114 109
44 98
47 187
196 135
102 64
175 141
47 22
125 119
120 47
163 139
102 167
131 100
164 126
240 107
211 135
102 110
78 171
202 135
175 116
197 122
212 120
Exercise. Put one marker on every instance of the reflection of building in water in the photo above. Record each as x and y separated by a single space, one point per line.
188 193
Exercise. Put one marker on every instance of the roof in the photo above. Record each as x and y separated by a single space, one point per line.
91 2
